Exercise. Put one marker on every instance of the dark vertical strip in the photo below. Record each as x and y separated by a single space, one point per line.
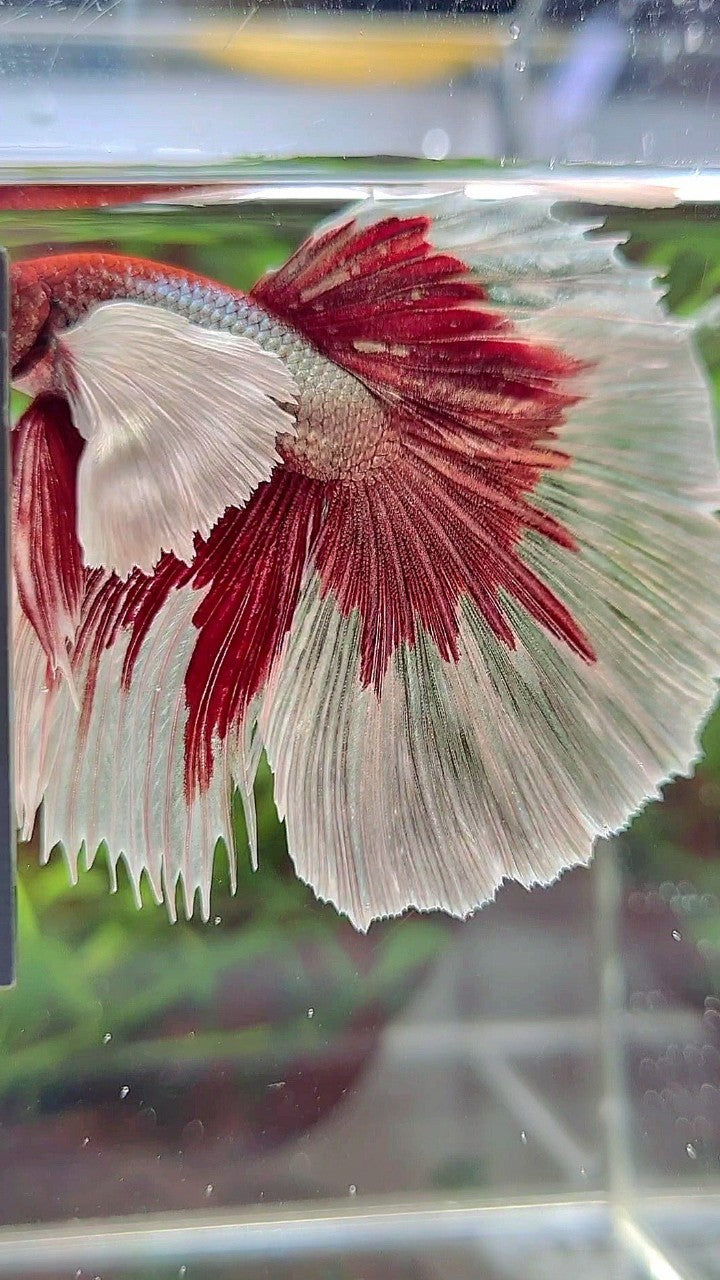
7 822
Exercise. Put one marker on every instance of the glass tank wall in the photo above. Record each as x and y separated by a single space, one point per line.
533 1092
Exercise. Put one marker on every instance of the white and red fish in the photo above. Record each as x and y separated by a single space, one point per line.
427 516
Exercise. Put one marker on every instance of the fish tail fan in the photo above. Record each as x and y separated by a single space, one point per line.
509 636
114 773
168 669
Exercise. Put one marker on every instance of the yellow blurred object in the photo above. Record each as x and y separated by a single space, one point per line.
363 49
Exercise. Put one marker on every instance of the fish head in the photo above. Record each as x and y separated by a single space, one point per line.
29 326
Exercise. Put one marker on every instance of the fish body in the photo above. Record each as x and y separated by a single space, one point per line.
427 516
340 425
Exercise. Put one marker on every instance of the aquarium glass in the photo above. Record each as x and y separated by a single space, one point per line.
530 1093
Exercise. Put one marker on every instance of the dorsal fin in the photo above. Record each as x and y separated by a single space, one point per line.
413 324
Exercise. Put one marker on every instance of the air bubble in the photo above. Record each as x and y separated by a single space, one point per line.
435 144
514 31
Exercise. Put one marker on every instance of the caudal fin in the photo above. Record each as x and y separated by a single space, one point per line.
510 640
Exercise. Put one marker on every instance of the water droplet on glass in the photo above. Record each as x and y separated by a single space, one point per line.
523 1137
194 1131
514 31
124 1091
43 109
182 1272
217 920
520 65
209 1189
352 1189
691 1151
311 1012
677 936
694 36
670 48
107 1037
435 144
86 1142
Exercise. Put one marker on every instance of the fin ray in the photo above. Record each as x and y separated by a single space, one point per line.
180 421
47 560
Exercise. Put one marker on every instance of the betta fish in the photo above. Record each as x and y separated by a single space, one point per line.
427 517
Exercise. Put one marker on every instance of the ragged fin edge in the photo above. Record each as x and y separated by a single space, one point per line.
169 668
139 810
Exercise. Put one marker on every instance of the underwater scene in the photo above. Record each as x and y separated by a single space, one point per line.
284 1087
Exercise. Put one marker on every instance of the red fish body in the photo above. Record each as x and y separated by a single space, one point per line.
426 515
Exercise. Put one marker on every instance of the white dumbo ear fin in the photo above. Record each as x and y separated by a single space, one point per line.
181 422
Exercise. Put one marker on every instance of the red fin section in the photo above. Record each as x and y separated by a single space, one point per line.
405 545
412 323
253 566
47 560
250 570
473 406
